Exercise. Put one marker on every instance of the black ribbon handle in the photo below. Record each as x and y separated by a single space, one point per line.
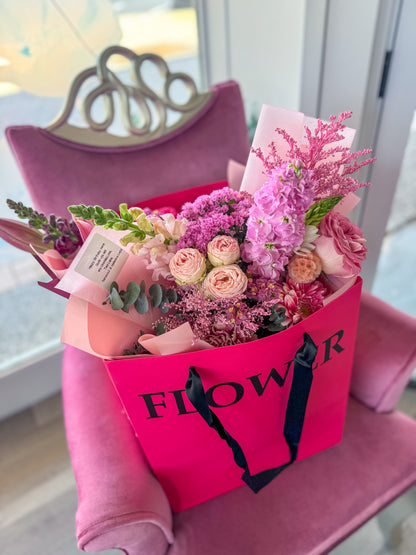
295 413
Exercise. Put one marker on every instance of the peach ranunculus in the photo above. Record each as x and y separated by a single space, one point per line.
304 268
223 250
225 282
188 266
340 246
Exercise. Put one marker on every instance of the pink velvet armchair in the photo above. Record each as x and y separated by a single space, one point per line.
315 503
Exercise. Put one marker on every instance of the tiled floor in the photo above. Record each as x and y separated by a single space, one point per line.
38 498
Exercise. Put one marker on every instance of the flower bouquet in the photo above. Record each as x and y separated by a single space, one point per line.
242 300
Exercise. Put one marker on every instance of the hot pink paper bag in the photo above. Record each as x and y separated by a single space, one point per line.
247 387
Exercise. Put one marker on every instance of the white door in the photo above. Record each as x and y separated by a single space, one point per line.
388 216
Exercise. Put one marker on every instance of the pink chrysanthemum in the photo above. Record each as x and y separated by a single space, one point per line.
300 300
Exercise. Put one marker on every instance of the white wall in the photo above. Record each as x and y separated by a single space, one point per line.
260 44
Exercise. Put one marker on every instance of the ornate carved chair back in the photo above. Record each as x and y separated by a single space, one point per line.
65 163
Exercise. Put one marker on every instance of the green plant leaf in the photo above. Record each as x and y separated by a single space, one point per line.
320 209
171 295
156 294
164 308
160 328
132 237
142 304
124 213
115 299
132 293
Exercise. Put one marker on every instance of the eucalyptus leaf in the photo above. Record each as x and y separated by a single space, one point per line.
171 295
142 304
164 308
132 293
115 299
156 294
114 285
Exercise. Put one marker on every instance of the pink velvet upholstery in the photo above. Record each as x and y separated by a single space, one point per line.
110 469
385 354
315 503
120 503
310 507
59 172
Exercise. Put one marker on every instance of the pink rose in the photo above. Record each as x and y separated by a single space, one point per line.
340 246
187 266
225 282
223 250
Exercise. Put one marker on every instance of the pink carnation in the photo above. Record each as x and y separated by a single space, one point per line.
340 246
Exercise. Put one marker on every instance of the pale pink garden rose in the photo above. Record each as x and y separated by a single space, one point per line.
225 282
188 266
223 250
340 246
304 268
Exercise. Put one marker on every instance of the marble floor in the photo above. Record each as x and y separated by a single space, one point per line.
38 497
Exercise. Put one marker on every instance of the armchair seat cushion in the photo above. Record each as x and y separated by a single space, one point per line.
120 501
345 485
385 354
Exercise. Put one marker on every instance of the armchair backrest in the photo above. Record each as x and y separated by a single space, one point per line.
59 171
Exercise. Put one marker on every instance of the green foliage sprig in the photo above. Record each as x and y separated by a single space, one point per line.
276 319
135 295
36 220
109 219
320 209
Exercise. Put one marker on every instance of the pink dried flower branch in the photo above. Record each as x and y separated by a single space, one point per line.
331 166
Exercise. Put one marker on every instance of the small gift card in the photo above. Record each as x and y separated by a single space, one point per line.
102 261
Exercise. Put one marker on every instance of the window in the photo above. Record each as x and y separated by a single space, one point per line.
31 317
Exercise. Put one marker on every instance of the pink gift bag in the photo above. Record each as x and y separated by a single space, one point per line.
210 421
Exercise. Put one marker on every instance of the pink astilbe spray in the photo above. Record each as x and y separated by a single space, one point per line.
331 166
220 322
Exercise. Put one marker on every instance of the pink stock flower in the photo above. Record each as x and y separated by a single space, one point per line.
305 268
300 300
223 250
276 226
340 246
188 266
156 254
225 282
